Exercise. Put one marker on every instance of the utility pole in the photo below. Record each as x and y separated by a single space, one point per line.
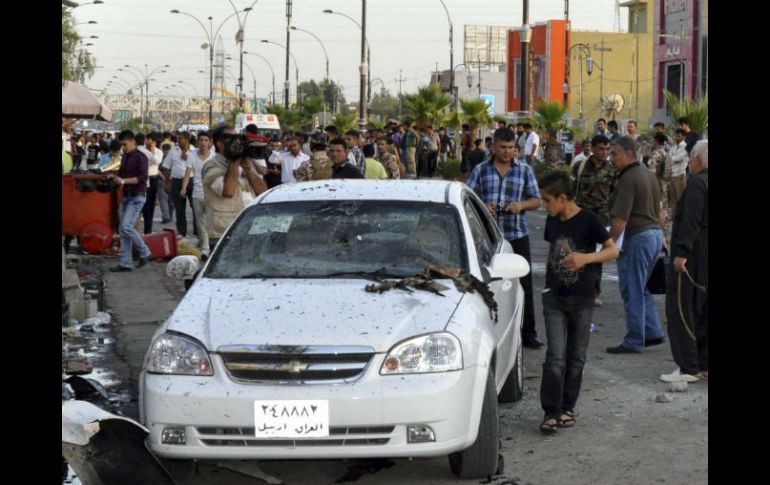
400 79
286 82
526 35
364 71
601 49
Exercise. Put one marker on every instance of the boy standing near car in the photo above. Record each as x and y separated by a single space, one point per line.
508 187
568 297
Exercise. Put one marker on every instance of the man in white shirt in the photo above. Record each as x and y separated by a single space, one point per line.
194 172
175 166
532 143
584 154
154 158
679 159
292 159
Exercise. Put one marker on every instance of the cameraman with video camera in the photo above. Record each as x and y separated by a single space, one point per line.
229 183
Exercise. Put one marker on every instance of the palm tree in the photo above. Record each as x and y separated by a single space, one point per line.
475 113
428 105
346 122
549 117
376 124
696 111
310 106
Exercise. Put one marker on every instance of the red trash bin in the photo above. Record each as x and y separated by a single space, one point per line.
89 214
162 244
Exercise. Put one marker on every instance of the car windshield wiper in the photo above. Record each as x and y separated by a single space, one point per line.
372 275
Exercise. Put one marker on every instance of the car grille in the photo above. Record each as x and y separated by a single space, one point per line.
295 364
338 436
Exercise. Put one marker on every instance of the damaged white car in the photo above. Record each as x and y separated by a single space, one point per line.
344 319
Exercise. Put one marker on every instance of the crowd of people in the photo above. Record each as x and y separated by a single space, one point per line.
620 200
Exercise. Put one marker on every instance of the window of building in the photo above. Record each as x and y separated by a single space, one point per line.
540 68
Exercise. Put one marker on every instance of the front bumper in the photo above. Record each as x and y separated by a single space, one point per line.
368 417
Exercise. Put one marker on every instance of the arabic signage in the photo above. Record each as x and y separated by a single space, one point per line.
291 419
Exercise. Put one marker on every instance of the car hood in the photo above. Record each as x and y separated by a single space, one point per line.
308 312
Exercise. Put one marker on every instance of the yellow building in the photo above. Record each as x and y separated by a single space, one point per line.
622 64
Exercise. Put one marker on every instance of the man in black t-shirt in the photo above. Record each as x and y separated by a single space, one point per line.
475 156
342 168
568 297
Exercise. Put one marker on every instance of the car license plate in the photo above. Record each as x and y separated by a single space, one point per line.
291 419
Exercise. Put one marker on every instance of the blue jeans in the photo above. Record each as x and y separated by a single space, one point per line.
637 258
567 330
130 209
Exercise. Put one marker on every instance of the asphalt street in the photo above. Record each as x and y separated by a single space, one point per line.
622 434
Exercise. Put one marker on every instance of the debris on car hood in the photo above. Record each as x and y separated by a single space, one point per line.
464 282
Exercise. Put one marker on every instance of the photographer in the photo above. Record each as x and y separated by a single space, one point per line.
228 182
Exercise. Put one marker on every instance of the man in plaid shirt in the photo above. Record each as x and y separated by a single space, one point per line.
509 184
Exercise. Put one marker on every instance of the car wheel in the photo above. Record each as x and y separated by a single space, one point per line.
513 389
480 460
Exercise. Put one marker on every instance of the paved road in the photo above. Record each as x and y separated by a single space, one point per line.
622 434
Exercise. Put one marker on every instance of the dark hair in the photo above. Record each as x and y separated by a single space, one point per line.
183 134
599 139
612 124
489 138
466 126
114 145
139 137
683 120
205 134
660 138
166 134
355 133
339 141
477 142
601 119
317 146
681 131
504 134
386 139
558 183
154 136
331 128
659 123
518 124
527 125
368 151
251 128
126 135
218 134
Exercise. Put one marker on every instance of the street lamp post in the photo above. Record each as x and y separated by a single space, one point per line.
451 49
145 80
526 36
296 73
323 94
584 52
95 2
272 73
457 100
253 78
239 38
366 61
211 39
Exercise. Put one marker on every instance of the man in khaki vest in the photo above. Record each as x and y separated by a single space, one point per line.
229 185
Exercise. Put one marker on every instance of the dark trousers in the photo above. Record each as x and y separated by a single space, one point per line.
690 354
521 247
567 322
432 160
148 211
180 206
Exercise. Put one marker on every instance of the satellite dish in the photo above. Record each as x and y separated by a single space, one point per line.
613 104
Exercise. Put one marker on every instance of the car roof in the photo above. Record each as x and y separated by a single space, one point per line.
347 189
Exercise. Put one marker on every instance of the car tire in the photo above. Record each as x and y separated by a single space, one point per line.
513 389
481 459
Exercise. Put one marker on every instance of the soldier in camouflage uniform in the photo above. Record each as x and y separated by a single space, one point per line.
660 164
389 157
595 179
319 167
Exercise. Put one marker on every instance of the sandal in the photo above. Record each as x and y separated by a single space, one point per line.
567 419
550 425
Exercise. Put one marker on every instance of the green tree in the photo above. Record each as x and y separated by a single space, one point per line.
333 93
77 64
373 124
309 88
696 111
345 122
476 114
549 118
428 104
385 105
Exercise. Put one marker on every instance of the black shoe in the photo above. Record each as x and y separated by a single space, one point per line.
143 261
533 343
654 341
165 221
621 350
119 269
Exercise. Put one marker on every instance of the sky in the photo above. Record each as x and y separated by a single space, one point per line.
407 35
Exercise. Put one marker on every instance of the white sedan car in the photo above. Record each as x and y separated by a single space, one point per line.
280 351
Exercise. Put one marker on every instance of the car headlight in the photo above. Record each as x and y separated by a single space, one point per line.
174 354
435 352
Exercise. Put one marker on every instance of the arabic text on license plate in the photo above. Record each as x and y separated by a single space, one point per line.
291 419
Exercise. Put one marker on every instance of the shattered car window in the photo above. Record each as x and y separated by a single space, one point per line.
316 239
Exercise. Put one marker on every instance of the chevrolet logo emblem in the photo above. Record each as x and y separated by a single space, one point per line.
294 367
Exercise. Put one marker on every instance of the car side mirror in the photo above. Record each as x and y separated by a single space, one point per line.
508 266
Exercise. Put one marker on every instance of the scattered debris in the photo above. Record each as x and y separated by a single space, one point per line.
464 282
678 387
78 367
85 388
664 397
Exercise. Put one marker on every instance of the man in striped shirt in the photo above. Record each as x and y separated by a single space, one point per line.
508 187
